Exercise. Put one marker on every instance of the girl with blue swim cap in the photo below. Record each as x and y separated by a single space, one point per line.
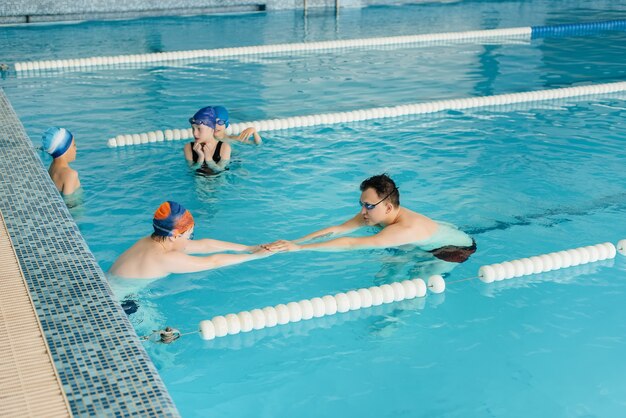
246 136
60 144
206 153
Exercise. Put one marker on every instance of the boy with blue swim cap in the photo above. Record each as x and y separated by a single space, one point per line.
60 144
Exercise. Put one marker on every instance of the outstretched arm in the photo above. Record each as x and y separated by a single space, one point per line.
349 225
184 263
390 236
208 245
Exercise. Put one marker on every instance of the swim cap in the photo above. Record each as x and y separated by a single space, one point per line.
171 219
204 116
56 141
222 114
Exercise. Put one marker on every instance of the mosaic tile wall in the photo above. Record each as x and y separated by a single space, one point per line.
25 11
102 365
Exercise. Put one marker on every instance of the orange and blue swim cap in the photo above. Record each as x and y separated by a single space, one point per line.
171 219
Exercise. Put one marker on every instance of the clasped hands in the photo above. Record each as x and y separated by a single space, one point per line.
281 246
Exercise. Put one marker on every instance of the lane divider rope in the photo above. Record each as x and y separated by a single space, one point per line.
547 262
270 316
524 33
513 33
377 113
281 314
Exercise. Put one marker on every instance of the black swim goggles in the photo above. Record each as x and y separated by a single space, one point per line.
370 206
202 122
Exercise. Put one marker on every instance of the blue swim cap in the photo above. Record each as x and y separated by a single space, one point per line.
222 115
204 116
56 141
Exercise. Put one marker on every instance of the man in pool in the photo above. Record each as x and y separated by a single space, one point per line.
167 250
400 227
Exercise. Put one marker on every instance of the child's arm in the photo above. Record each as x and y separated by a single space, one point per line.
247 136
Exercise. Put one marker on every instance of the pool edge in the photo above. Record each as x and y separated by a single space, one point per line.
101 362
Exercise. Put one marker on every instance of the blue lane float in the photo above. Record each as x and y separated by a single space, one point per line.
573 29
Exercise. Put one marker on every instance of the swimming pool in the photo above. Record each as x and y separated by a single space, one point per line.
523 181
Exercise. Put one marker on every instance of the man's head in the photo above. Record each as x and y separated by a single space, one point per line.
57 141
172 220
379 197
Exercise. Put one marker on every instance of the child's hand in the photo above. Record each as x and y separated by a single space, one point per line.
245 135
198 148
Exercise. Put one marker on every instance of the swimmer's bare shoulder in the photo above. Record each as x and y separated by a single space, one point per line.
65 179
71 182
419 227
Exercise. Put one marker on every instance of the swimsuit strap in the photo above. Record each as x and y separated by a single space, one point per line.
216 154
194 154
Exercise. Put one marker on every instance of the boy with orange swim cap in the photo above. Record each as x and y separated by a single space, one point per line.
167 250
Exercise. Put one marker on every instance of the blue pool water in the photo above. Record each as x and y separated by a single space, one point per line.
523 181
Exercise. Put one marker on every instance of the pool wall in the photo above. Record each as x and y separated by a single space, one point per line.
32 11
101 362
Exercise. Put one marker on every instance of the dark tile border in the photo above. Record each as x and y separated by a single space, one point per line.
102 364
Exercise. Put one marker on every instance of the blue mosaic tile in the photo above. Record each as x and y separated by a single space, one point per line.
101 362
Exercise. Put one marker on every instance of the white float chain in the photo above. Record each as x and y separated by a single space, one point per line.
621 246
378 113
281 314
524 33
546 262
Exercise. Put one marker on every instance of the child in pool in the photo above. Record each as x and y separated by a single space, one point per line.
246 136
206 152
61 145
170 247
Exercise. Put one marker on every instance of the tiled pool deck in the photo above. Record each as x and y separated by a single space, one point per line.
100 361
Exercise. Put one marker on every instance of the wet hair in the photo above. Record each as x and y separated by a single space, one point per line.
384 186
157 238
